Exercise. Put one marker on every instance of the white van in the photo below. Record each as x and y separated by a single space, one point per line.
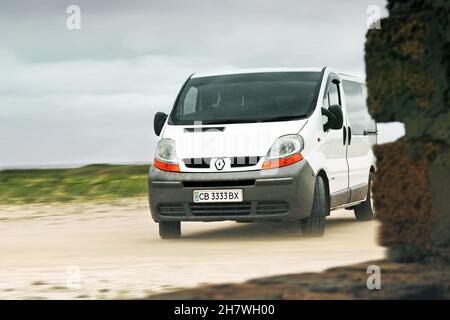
263 144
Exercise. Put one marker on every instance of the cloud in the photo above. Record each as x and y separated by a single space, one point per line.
232 31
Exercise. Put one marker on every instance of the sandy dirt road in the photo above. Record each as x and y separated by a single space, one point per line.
115 251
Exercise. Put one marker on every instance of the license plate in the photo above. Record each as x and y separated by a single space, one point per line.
228 195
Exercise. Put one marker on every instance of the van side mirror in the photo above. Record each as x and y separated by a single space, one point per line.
335 117
158 122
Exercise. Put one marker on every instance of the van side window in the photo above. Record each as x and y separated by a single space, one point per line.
190 101
332 96
358 115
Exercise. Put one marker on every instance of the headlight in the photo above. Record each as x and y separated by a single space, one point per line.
284 151
285 146
166 156
166 151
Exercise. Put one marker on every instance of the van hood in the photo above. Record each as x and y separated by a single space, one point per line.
229 140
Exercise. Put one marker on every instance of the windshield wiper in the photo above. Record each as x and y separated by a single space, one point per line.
283 118
228 121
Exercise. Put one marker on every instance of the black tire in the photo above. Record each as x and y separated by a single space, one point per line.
170 229
314 225
364 210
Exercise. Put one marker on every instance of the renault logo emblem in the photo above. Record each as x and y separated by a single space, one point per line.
219 164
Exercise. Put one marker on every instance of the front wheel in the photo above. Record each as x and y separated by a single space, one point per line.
170 229
314 225
364 211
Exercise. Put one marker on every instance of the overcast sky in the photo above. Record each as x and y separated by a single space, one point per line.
89 95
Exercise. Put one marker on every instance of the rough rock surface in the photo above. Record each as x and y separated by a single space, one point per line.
408 74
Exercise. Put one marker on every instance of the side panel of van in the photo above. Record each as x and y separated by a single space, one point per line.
362 135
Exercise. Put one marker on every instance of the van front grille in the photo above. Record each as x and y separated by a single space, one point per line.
197 163
237 162
220 209
223 209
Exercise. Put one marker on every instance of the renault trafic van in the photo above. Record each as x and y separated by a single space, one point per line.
264 144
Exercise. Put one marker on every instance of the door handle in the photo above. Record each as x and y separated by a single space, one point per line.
349 135
345 134
370 132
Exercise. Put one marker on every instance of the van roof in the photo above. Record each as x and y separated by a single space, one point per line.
254 70
263 70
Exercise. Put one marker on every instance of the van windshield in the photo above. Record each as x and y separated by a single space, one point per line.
240 98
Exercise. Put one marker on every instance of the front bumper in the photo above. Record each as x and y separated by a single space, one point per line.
277 194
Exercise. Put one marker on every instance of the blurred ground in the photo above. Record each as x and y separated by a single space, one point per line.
119 254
